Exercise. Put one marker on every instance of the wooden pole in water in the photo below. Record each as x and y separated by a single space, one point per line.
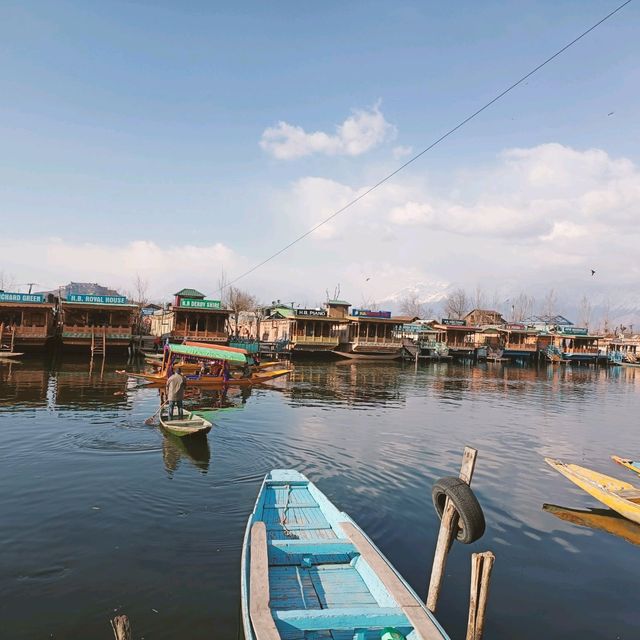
448 526
121 628
481 567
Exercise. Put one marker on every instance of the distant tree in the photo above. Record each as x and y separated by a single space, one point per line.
585 312
522 307
550 303
410 305
479 300
141 291
456 304
238 301
369 303
336 293
7 281
606 312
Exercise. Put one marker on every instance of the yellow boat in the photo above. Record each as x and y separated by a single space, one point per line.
601 519
629 464
620 496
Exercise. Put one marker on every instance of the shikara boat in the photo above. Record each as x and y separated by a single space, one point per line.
620 496
309 571
192 425
633 465
216 381
601 519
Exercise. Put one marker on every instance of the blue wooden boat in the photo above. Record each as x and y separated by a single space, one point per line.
310 573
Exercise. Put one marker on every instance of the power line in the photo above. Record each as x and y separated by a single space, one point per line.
431 146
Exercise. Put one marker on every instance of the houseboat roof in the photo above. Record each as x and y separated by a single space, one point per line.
198 309
385 320
29 305
189 293
286 313
98 305
456 327
528 330
339 303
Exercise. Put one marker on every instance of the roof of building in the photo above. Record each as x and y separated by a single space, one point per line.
487 311
340 303
189 293
548 319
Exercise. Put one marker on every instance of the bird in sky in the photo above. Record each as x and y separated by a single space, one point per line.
593 273
610 113
367 279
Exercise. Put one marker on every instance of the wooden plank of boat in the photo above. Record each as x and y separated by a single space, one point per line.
190 426
605 520
620 496
633 465
7 355
368 356
308 570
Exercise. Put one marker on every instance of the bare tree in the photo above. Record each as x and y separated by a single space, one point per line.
410 305
479 301
550 303
522 307
606 312
456 305
238 301
7 281
336 293
141 289
369 303
585 312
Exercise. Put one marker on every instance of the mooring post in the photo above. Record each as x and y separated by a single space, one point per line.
481 566
121 628
448 526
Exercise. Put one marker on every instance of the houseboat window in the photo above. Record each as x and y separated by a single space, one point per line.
98 318
75 317
35 318
9 317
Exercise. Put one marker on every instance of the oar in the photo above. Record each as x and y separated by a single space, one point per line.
151 419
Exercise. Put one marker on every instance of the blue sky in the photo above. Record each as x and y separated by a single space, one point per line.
130 143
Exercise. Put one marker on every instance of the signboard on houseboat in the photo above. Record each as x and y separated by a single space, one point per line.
515 326
313 313
367 313
195 303
573 331
28 298
91 299
454 322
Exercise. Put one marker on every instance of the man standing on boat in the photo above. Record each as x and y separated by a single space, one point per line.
175 392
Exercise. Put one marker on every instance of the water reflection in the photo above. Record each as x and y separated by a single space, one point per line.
194 450
598 519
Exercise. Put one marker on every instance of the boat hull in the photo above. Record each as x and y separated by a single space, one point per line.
613 493
188 428
632 465
308 567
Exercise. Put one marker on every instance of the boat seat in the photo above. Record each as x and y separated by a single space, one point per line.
420 620
263 623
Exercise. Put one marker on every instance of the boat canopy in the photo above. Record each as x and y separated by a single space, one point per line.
211 353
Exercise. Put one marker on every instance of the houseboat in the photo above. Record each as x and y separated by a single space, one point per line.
575 344
27 321
420 336
100 322
518 341
371 335
623 349
192 317
304 330
459 337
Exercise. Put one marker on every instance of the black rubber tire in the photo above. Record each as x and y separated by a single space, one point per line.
471 523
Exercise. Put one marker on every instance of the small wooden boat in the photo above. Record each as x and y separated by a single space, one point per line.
601 519
192 425
308 571
620 496
629 464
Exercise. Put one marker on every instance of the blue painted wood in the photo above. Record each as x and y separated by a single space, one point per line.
319 585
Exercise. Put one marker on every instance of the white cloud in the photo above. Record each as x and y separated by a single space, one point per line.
166 268
401 151
359 133
411 213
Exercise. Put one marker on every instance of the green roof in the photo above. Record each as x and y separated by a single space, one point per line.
285 312
342 302
189 293
209 353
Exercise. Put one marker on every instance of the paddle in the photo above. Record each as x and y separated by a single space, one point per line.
151 419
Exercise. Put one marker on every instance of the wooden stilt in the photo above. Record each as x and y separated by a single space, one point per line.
448 526
121 628
481 567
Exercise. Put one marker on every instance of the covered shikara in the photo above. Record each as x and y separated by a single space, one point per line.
309 571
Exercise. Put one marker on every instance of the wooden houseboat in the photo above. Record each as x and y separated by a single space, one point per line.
429 342
100 322
575 344
459 337
27 321
192 317
623 349
304 330
371 335
518 341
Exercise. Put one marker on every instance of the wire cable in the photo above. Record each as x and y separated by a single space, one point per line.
432 145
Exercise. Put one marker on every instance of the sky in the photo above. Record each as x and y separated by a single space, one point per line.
176 140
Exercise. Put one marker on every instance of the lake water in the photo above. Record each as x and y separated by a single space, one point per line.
100 514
